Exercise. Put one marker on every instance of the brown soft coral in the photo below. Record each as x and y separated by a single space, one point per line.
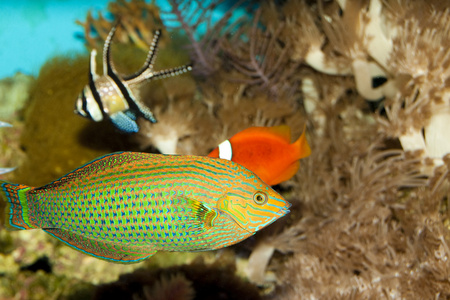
402 42
183 128
259 58
366 233
420 59
138 18
172 287
208 281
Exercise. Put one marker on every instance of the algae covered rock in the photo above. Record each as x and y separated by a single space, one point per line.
56 140
14 93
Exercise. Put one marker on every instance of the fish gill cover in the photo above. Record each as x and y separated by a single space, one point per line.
370 215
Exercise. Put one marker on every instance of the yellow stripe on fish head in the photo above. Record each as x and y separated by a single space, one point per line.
252 204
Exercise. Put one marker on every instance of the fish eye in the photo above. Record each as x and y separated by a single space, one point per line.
260 198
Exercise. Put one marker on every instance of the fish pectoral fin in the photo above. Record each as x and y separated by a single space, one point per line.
130 115
202 216
124 122
106 250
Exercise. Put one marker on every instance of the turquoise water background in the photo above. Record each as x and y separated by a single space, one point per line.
32 31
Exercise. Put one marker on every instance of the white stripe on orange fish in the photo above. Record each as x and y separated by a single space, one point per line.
225 150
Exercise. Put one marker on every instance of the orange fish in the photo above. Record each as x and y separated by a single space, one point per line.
266 151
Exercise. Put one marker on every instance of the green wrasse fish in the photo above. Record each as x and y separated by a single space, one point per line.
124 207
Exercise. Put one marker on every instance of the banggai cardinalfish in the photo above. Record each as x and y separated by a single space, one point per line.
124 207
111 96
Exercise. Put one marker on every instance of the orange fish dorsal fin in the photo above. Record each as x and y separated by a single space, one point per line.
282 131
302 146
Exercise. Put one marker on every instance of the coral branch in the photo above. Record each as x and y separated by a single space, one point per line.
258 55
138 18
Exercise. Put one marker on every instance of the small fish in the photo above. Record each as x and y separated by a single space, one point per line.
126 206
4 124
110 95
5 170
266 151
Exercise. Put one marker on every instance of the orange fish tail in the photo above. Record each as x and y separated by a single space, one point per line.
17 211
302 145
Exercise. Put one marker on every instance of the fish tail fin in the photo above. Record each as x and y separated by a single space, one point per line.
17 213
302 145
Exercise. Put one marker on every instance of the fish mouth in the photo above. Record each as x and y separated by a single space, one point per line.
285 210
279 214
282 212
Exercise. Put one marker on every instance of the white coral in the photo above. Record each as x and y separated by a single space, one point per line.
402 42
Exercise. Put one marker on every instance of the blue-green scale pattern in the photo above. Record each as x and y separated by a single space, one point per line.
146 205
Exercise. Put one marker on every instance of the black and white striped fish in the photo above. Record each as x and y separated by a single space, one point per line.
110 95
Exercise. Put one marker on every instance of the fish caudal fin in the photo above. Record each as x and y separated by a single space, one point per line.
17 213
302 146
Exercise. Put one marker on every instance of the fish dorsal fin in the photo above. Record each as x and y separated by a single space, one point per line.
106 250
167 72
149 61
302 145
110 71
93 66
201 216
108 68
92 79
282 131
101 163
